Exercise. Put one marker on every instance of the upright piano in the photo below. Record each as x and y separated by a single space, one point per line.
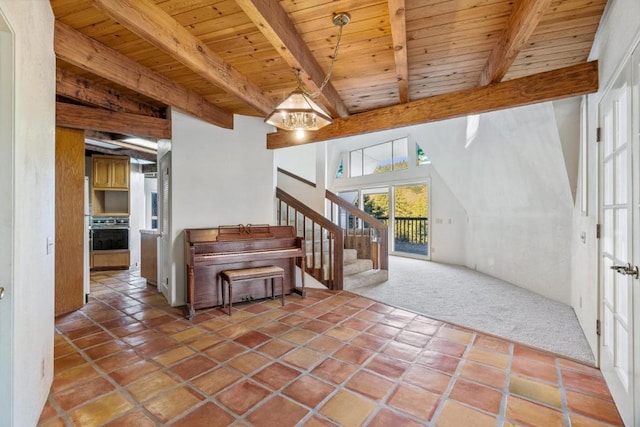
208 251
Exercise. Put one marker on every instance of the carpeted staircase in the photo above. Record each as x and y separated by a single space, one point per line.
357 272
346 224
360 272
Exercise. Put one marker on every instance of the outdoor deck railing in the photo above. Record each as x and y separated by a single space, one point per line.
409 229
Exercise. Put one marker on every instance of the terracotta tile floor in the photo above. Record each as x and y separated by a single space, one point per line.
334 358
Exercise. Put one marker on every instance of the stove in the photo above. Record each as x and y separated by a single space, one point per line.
109 233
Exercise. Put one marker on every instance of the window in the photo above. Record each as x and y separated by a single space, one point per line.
421 157
154 210
340 170
386 157
355 163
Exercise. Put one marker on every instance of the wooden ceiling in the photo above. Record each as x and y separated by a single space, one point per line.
400 61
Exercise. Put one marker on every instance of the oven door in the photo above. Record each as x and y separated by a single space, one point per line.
107 239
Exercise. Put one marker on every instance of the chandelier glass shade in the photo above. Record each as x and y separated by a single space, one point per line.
298 112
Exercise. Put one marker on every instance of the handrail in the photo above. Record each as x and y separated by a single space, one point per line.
379 226
297 177
336 257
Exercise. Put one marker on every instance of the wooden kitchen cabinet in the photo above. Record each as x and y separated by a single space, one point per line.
109 203
110 259
110 172
110 185
149 255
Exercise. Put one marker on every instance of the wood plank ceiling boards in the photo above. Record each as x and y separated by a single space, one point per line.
213 59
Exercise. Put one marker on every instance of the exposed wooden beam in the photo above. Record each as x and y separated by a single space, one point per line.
522 22
274 23
73 86
399 38
154 25
562 83
80 117
90 55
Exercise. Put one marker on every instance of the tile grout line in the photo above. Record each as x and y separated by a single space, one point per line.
563 393
502 416
455 376
249 376
121 388
102 374
397 382
148 301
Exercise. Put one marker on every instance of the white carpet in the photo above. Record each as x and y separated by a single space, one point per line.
465 297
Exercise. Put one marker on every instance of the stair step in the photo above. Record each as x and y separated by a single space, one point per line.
366 278
349 256
357 266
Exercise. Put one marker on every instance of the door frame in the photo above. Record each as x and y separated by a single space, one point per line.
7 141
630 415
392 219
164 227
635 291
390 188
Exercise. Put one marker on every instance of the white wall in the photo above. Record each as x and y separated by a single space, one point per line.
33 189
619 31
513 183
567 112
299 160
447 216
308 162
447 224
218 177
510 183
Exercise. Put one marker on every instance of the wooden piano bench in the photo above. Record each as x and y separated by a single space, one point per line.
255 273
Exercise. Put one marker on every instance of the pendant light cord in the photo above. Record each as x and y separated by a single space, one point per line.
329 71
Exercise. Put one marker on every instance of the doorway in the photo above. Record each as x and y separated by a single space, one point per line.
405 210
411 220
619 293
6 222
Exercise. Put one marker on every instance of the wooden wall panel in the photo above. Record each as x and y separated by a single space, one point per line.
69 268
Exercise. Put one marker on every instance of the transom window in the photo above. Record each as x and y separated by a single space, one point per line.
386 157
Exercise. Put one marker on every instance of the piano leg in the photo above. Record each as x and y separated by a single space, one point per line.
281 291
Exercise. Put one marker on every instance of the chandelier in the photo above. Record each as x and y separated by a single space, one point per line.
298 111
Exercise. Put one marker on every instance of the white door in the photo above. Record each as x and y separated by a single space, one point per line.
6 223
618 252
